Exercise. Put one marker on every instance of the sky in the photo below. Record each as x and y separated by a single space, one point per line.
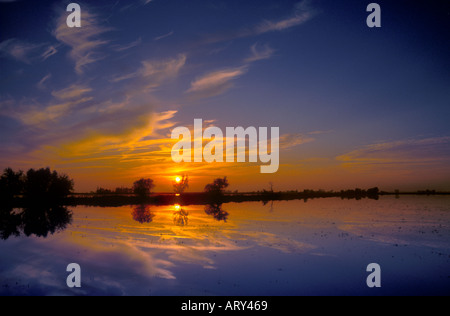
356 106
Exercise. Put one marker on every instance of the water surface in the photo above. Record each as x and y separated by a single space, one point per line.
321 247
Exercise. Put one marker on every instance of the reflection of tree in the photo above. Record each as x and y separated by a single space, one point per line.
37 220
180 217
265 202
216 210
9 223
143 214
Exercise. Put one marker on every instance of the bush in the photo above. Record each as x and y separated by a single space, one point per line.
143 187
11 184
217 187
44 184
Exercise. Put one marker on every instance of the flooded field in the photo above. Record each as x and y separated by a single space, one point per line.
321 247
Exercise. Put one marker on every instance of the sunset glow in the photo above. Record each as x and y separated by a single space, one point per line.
224 148
100 102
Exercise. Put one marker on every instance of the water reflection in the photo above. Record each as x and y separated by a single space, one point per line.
216 210
180 216
142 214
300 249
38 220
271 205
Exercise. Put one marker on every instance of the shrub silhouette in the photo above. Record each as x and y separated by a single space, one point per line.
142 188
215 190
36 185
218 186
45 185
11 184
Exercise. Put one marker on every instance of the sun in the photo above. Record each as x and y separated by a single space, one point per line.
177 179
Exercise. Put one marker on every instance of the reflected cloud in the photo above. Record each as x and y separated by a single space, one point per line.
121 269
269 240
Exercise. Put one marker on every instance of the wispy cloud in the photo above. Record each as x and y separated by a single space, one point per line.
34 115
293 140
260 52
135 4
162 70
78 126
303 13
19 50
26 52
72 92
41 84
121 48
407 152
220 81
215 83
153 73
84 42
50 51
164 36
38 117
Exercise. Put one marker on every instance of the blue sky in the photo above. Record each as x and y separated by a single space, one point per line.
356 106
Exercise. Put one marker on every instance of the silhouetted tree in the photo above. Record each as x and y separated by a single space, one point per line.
123 191
215 191
11 184
180 187
42 190
142 188
373 193
218 186
102 191
47 186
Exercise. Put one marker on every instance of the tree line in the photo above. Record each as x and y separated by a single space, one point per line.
143 187
36 185
47 185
